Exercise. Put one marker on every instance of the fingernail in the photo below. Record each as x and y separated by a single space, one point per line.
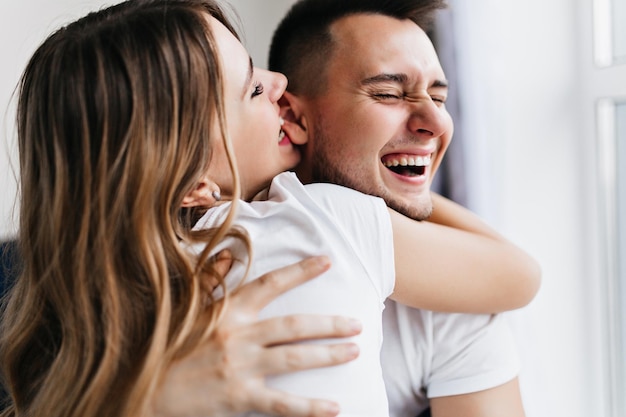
352 351
323 261
355 325
331 409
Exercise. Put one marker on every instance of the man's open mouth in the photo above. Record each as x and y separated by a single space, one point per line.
409 166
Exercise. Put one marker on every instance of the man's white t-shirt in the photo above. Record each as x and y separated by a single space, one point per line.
428 354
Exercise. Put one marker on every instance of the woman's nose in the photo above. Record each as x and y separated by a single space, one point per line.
278 85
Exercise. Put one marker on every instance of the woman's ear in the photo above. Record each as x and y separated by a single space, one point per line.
296 121
205 194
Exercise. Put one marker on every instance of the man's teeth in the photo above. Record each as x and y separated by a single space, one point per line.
418 161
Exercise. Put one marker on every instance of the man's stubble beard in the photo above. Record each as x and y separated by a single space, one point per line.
328 167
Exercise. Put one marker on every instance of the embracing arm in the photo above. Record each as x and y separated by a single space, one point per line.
503 400
226 375
455 262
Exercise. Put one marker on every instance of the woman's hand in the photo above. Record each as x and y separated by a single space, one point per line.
227 374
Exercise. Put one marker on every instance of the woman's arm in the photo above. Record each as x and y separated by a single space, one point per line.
226 375
455 262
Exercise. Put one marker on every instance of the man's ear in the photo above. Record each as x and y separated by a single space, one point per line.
296 120
203 194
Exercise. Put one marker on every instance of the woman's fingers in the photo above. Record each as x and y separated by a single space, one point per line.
277 337
226 375
288 329
277 403
290 358
257 294
223 262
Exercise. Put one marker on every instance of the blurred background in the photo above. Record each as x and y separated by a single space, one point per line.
539 99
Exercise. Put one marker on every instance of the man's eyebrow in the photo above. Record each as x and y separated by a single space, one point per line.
246 84
382 78
439 83
399 78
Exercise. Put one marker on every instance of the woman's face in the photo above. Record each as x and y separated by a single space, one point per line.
253 120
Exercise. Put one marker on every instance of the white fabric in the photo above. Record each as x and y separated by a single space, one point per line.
427 355
354 230
424 354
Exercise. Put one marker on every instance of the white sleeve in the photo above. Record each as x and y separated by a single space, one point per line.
470 353
366 224
429 354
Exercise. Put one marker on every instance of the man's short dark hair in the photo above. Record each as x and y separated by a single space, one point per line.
302 43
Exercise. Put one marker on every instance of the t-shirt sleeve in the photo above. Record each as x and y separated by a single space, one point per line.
471 353
365 222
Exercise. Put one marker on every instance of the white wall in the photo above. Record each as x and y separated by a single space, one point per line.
260 17
523 112
23 25
531 173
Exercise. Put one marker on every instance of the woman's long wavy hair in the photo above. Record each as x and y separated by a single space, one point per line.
116 115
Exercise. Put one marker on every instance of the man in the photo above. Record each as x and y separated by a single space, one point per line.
367 86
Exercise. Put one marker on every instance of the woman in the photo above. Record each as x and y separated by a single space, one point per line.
115 116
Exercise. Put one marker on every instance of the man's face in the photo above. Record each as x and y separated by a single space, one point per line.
381 126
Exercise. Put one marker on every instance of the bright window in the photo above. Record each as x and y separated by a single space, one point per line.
609 90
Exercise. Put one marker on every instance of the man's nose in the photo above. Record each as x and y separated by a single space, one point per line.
427 119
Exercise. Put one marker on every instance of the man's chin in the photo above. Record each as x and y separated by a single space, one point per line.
416 208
